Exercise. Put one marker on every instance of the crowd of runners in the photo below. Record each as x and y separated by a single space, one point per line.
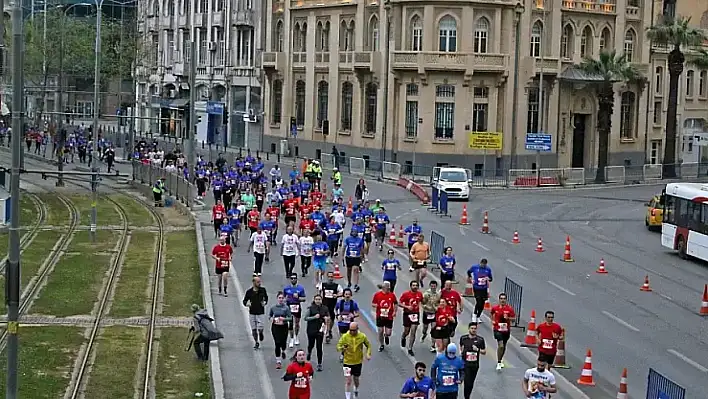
294 220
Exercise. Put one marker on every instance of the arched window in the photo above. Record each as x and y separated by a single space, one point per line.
277 101
156 8
300 103
586 43
448 34
373 36
689 83
296 37
171 8
371 102
536 33
318 36
606 40
303 37
324 38
322 102
481 35
416 34
627 115
347 104
629 45
279 37
702 84
659 80
567 41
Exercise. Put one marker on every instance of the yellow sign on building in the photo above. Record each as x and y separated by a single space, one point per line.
485 140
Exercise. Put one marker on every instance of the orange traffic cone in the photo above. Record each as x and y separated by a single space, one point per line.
516 240
586 374
645 287
559 362
463 218
392 236
487 304
469 288
567 257
350 207
704 302
601 269
530 340
400 243
539 246
622 393
485 223
337 274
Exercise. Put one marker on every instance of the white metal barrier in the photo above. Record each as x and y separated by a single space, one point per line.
652 172
522 177
614 174
573 176
391 170
357 166
689 170
327 161
550 176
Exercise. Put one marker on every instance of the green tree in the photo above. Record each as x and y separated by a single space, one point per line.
677 35
611 68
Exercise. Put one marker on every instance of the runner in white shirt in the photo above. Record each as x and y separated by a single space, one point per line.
306 242
341 219
539 383
259 243
289 250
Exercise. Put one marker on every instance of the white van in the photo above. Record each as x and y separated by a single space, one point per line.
453 180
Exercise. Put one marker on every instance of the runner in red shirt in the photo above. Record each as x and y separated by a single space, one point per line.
273 210
254 218
222 253
502 314
307 224
410 302
218 212
299 373
444 318
384 303
290 206
305 209
316 196
547 336
454 301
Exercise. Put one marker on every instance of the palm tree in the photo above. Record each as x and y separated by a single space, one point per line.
677 35
609 68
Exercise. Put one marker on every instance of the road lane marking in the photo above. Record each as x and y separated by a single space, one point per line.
501 239
520 266
665 297
560 287
462 231
689 360
620 321
480 245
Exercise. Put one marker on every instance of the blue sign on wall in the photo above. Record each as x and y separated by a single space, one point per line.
214 108
538 142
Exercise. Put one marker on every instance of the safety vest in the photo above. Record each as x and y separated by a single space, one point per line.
310 169
158 187
317 170
337 177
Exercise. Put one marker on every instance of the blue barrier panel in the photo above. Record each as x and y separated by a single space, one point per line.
435 200
514 293
437 246
660 387
443 205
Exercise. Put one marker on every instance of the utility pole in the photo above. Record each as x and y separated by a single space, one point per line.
541 97
96 113
12 271
518 12
191 129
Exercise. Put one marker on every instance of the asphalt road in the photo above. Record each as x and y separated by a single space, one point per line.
623 326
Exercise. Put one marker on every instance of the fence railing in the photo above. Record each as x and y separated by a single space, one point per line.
175 185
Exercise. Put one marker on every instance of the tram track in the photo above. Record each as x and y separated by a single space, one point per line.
29 236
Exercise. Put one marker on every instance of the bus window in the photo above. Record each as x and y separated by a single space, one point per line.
669 205
662 198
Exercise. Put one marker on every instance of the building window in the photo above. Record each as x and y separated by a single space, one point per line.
481 36
445 91
416 34
371 102
567 42
629 45
302 38
279 37
448 34
627 115
444 112
659 80
606 40
277 112
322 102
657 112
586 43
84 108
536 33
202 33
347 103
322 36
481 93
346 36
300 103
702 83
373 34
479 118
412 89
203 6
411 119
689 83
533 124
218 5
655 153
171 8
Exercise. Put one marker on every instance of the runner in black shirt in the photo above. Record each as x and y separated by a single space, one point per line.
471 347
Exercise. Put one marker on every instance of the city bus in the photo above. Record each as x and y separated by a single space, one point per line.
685 224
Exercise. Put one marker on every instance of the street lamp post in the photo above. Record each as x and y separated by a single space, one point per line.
96 113
518 11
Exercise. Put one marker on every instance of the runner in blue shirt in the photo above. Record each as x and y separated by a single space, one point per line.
226 230
448 372
346 311
268 226
333 231
447 266
419 386
389 266
305 188
235 216
381 221
353 247
294 297
320 250
413 232
481 276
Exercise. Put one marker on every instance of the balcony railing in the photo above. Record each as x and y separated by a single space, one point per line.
604 7
346 57
299 59
632 13
437 60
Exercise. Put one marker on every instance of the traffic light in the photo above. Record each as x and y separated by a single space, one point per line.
325 127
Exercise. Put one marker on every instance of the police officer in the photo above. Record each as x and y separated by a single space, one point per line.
471 346
157 190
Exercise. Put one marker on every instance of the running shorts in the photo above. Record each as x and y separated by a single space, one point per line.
320 264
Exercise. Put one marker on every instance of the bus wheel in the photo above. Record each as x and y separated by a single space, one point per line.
682 248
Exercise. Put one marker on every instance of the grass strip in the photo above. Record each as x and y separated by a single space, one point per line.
47 356
179 373
57 212
74 284
138 216
182 281
113 371
106 213
131 293
29 213
32 258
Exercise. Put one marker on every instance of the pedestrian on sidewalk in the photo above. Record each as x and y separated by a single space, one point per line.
204 330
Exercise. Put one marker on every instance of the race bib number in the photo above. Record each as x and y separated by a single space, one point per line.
413 317
547 344
294 308
482 281
421 263
218 215
471 356
430 316
329 294
502 327
319 252
260 246
352 254
301 382
384 312
390 266
448 380
289 248
347 371
346 317
419 397
225 263
278 321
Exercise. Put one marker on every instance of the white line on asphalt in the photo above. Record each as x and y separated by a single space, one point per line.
501 239
480 245
520 266
689 360
620 321
665 297
462 231
560 287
